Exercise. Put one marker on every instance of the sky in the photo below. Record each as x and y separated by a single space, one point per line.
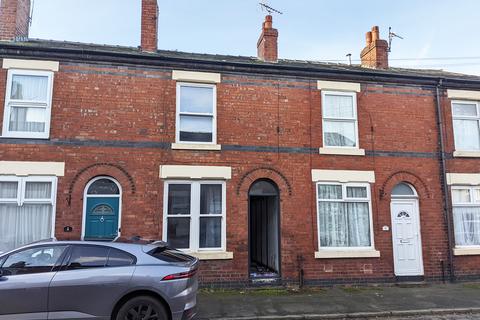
320 30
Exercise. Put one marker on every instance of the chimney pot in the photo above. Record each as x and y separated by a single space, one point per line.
268 24
14 19
149 36
375 54
267 45
369 38
375 33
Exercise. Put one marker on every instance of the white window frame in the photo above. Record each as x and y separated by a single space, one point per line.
477 118
331 119
195 214
473 203
213 114
30 104
368 200
21 200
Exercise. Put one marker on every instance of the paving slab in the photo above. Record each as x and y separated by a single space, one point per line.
340 302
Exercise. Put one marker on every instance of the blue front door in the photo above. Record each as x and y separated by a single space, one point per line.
101 218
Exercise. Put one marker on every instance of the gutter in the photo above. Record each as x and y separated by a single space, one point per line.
298 71
443 177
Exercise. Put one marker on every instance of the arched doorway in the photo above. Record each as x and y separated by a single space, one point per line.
406 237
102 209
264 230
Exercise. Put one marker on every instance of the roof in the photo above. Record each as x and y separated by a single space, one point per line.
89 51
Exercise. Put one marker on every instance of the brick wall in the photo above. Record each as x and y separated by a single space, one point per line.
14 17
466 267
117 121
149 29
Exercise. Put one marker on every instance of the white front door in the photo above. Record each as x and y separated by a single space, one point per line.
407 244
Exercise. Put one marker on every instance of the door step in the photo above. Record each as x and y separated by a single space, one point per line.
410 281
265 281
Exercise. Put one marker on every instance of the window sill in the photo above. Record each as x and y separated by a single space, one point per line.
24 136
343 151
194 146
466 154
212 255
466 251
340 254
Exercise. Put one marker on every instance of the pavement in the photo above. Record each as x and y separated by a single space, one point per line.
460 301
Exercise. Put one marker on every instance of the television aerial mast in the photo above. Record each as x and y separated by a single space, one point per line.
391 36
269 9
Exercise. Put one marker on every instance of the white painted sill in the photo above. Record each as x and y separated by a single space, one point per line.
29 135
194 146
466 251
341 254
212 255
343 151
466 154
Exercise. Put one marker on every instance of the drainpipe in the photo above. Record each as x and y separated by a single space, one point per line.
443 176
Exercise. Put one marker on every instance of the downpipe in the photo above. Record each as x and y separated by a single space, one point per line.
443 174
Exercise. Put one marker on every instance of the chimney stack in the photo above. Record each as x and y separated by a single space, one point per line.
375 54
267 45
14 19
149 38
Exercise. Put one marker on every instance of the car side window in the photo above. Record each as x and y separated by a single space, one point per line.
33 260
119 258
86 257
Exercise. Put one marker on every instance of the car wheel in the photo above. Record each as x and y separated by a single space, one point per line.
142 308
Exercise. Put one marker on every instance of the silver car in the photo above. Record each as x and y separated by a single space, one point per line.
97 280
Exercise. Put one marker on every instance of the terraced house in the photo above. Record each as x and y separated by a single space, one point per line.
268 170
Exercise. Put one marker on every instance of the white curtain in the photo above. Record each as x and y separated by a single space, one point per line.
8 190
467 226
338 106
343 224
20 225
38 190
27 119
30 88
466 134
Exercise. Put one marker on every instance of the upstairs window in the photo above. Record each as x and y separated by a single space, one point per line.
28 104
466 118
196 113
339 111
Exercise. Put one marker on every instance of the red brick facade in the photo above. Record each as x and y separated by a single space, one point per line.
375 54
14 19
117 118
149 25
267 45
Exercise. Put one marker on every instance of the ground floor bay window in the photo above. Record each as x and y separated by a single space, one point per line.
27 210
466 216
194 215
344 216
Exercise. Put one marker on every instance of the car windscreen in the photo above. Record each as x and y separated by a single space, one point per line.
170 255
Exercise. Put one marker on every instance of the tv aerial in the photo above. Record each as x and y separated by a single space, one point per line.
391 36
269 9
